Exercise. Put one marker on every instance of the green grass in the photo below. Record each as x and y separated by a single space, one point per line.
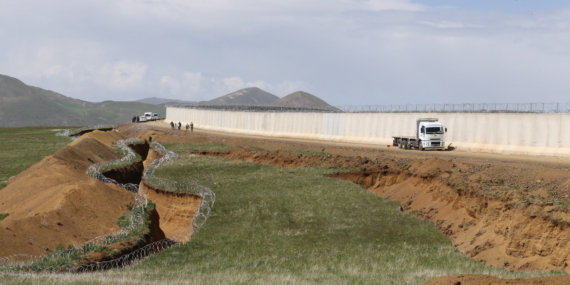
3 216
20 148
288 226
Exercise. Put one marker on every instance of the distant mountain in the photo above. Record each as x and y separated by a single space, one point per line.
251 96
23 105
163 101
301 99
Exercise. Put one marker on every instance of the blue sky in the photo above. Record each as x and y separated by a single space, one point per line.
347 52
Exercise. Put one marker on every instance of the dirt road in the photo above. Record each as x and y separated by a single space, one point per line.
393 150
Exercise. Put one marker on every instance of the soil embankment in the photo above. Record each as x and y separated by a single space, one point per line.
504 222
508 211
55 202
485 217
175 212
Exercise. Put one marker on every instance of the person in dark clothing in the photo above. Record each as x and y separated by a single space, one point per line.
138 119
187 126
191 127
172 125
179 125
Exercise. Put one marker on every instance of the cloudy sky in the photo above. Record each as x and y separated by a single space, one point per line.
347 52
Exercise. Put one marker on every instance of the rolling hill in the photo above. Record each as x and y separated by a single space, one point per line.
251 96
163 101
301 99
22 105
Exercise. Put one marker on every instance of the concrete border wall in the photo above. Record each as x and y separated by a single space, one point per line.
508 133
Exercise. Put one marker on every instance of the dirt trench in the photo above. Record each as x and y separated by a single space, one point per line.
170 220
56 203
174 211
487 216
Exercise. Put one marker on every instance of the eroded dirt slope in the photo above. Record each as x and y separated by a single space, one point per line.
55 202
518 223
506 211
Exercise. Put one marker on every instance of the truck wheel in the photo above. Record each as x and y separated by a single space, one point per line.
421 146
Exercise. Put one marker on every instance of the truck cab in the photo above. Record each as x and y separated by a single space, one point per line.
430 134
148 116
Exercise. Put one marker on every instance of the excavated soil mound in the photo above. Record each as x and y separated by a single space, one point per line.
506 211
496 226
55 202
490 227
476 279
175 212
290 160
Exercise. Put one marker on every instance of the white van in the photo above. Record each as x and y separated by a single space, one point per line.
148 116
155 117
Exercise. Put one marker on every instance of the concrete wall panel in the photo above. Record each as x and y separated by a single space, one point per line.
516 133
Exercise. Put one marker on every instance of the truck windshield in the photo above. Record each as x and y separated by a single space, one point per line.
436 130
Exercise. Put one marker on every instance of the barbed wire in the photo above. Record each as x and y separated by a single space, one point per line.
208 198
556 107
207 195
79 131
252 108
61 259
137 217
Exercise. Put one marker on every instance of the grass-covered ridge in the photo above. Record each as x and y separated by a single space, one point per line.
287 226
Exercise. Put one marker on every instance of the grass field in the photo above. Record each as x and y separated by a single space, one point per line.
287 226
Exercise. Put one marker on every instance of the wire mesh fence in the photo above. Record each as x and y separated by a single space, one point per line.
399 108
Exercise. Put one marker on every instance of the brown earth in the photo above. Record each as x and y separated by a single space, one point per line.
506 211
477 279
175 212
54 202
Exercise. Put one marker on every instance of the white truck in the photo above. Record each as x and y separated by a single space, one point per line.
429 135
148 116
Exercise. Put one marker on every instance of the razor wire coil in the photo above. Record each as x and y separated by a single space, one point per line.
75 132
556 107
31 262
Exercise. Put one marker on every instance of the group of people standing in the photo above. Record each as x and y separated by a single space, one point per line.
191 126
135 119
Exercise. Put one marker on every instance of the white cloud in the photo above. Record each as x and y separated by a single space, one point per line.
123 75
171 85
234 83
443 24
397 5
345 51
193 82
